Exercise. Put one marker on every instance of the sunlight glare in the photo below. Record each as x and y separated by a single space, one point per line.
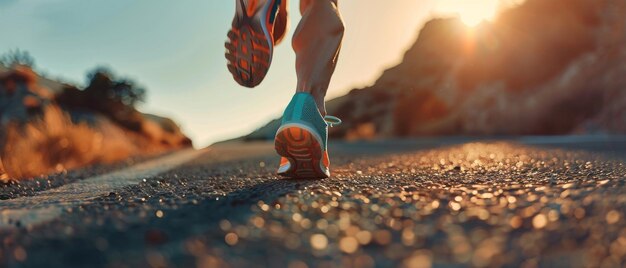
471 12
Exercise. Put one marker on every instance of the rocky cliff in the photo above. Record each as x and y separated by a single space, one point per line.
543 67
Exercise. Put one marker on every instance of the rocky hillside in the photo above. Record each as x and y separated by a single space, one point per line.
543 67
47 126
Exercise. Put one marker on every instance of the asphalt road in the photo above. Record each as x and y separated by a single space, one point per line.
450 202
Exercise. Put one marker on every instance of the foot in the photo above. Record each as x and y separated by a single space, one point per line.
251 42
301 140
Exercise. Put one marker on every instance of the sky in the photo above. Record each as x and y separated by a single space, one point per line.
175 49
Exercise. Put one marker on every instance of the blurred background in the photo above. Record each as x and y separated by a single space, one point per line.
81 81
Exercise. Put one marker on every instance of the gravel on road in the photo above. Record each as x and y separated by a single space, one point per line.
483 204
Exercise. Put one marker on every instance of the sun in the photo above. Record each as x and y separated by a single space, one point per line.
474 15
471 12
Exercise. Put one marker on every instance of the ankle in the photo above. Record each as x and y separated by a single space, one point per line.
318 96
321 106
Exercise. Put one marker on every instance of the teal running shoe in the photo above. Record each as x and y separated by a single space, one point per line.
256 29
302 138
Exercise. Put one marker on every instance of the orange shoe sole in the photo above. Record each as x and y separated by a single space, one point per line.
250 46
303 152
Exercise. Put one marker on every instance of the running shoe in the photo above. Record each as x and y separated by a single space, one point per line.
301 139
251 39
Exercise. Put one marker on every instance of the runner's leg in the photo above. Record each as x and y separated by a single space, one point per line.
317 41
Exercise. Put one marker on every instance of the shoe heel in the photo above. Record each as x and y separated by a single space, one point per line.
303 152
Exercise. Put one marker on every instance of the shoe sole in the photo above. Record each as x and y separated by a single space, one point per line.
302 150
250 46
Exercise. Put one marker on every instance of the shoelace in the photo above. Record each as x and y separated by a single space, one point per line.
332 120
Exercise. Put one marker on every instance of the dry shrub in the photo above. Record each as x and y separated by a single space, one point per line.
53 144
3 174
40 138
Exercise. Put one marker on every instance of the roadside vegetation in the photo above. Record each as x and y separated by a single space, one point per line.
47 126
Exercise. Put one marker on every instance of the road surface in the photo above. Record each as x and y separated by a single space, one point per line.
449 202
